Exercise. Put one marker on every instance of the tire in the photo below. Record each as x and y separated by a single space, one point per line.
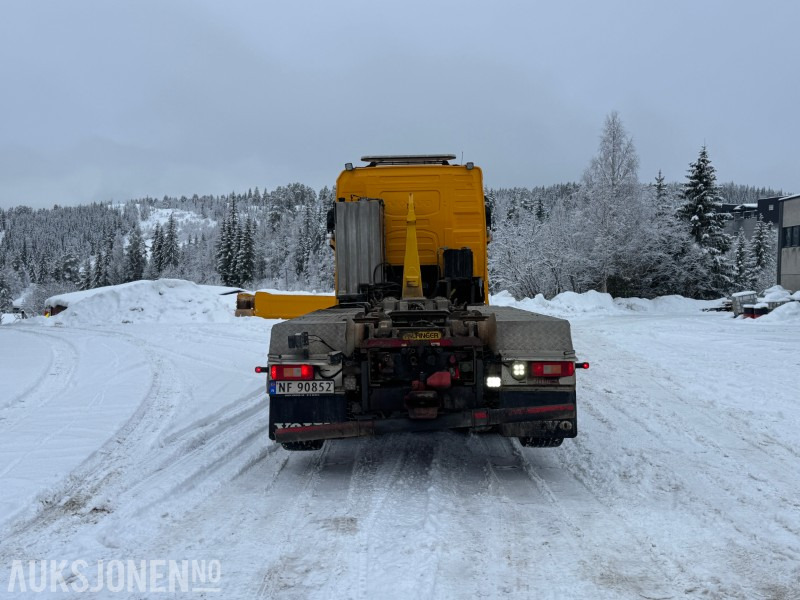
303 446
533 442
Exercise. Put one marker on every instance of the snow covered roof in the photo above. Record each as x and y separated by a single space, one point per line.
792 197
740 294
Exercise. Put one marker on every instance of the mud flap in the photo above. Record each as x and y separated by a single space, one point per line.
545 429
296 411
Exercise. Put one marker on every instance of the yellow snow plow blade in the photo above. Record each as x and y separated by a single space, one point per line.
289 306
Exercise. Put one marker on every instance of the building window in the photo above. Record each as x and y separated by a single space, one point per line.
771 207
791 237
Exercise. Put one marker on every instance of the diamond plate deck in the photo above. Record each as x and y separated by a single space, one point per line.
524 334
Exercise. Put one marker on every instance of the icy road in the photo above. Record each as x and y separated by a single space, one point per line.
146 441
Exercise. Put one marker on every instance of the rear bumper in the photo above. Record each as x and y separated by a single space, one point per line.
468 418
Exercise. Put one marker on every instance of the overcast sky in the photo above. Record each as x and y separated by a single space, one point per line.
105 100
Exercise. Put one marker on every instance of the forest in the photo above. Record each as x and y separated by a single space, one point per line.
608 231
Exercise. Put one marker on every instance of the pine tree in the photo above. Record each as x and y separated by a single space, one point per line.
245 259
702 205
762 254
227 249
86 275
742 268
68 271
135 256
108 257
97 273
170 253
6 300
760 244
701 211
539 210
306 241
156 251
117 261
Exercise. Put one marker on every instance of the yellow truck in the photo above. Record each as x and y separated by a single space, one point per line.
411 343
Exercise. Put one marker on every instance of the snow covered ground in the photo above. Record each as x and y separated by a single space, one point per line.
135 429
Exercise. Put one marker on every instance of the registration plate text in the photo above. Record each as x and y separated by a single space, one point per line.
301 387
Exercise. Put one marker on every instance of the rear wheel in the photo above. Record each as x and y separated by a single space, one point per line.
303 446
533 442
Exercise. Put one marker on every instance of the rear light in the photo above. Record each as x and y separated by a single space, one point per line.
518 370
553 369
493 381
291 372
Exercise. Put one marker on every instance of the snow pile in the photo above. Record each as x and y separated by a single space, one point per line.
161 301
296 292
571 304
776 293
786 312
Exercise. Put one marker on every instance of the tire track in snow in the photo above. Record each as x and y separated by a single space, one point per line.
59 374
711 481
114 459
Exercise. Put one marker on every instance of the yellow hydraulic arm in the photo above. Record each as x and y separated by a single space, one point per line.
412 273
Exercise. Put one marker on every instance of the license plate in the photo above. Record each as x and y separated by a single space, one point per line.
301 388
418 336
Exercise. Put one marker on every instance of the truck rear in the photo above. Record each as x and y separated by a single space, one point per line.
412 344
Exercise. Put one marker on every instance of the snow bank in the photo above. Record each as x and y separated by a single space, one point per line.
295 292
787 312
775 294
161 301
571 304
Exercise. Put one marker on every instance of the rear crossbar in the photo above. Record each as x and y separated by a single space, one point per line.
471 418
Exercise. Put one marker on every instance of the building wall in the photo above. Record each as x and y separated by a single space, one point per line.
789 275
768 209
735 225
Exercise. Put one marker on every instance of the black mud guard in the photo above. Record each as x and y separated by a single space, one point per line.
285 411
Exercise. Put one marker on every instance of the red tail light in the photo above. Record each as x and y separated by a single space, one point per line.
291 372
552 369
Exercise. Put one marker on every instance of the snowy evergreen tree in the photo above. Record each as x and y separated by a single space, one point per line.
227 246
170 252
702 205
245 258
701 211
117 262
660 188
157 251
135 256
6 299
763 256
86 280
742 266
539 209
761 243
306 241
98 273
